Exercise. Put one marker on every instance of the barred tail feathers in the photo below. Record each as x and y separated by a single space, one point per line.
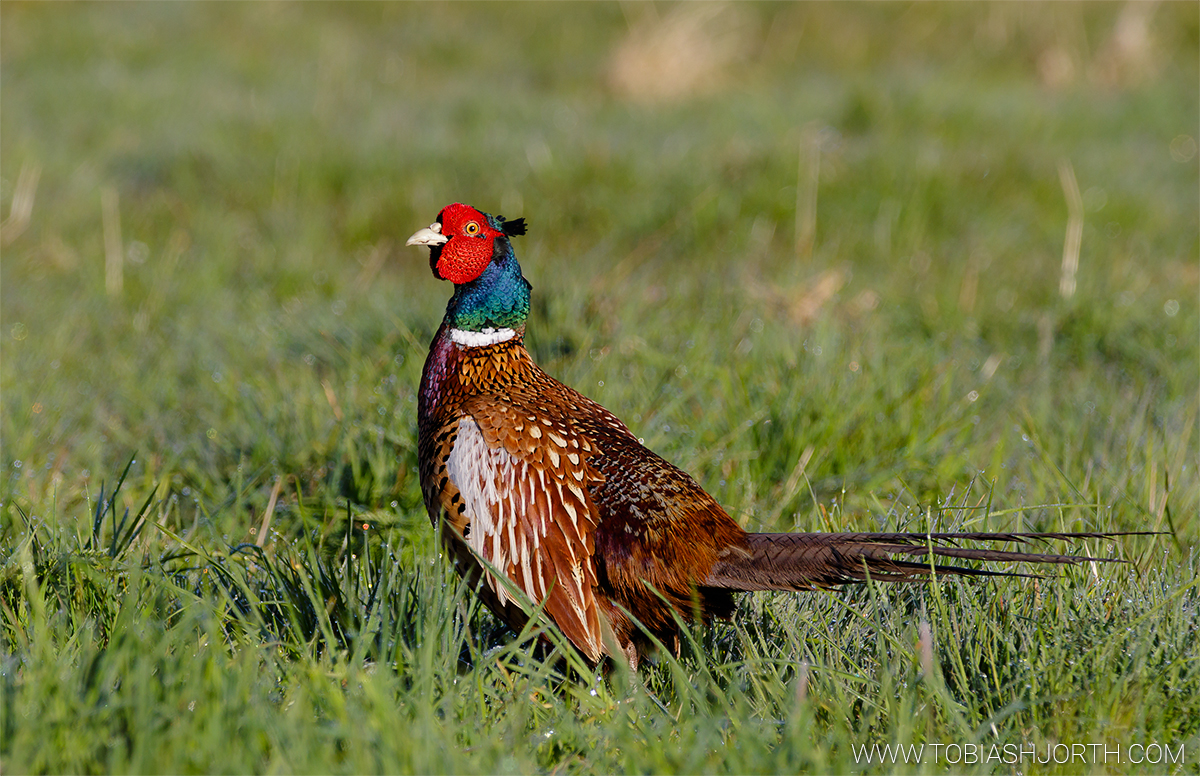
808 561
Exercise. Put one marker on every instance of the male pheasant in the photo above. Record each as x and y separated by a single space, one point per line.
556 494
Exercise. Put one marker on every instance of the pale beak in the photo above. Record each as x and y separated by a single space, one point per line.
430 235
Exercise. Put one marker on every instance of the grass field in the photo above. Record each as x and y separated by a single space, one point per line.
862 267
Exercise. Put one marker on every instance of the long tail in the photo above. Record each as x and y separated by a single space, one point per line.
807 561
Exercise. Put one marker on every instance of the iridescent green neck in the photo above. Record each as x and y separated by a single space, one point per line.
497 299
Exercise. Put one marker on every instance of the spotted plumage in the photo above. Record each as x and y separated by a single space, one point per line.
544 494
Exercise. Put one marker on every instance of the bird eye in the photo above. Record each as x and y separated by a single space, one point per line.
471 228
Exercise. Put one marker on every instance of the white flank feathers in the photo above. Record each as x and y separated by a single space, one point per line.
518 511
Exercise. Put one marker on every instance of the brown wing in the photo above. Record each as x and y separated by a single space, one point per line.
523 476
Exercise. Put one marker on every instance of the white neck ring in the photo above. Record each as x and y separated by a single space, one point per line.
479 339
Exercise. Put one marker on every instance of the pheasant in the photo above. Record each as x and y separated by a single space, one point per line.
560 498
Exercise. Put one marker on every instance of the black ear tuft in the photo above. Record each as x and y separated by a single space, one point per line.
513 228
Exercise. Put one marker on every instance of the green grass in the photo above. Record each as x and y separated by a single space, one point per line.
266 163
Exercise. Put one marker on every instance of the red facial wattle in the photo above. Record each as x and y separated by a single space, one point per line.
464 258
469 249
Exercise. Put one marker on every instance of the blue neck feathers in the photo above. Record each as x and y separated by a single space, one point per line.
497 299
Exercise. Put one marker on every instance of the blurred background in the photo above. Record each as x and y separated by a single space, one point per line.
842 255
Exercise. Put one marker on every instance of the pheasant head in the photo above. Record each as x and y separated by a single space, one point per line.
471 249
